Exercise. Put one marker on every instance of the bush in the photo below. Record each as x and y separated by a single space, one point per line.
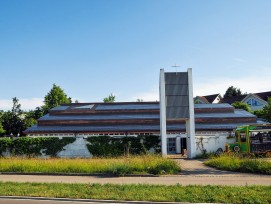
240 164
32 146
106 146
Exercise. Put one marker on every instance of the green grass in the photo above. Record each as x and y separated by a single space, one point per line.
146 164
239 164
142 192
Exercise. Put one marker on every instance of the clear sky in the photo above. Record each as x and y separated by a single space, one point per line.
92 48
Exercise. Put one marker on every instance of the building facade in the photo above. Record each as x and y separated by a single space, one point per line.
214 124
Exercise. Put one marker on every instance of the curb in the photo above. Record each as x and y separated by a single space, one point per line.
82 200
78 174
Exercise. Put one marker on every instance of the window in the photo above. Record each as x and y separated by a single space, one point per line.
171 145
243 136
253 102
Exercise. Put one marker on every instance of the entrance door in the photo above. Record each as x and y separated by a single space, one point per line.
171 145
183 146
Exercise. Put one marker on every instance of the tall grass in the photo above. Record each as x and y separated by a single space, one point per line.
146 164
239 164
142 192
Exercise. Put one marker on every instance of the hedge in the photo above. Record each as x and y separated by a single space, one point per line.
106 146
34 146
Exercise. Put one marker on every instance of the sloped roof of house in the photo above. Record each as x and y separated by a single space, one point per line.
136 117
208 98
211 98
264 95
230 100
201 99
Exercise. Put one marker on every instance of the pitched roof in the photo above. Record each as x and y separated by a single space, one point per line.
231 100
264 95
201 98
211 98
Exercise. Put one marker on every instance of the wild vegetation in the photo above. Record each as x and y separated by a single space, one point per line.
145 164
240 164
142 192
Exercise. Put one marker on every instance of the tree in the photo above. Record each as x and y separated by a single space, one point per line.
12 121
232 92
2 131
35 114
259 113
139 100
240 105
109 99
55 97
267 111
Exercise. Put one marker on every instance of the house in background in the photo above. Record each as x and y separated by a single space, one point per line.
209 99
256 101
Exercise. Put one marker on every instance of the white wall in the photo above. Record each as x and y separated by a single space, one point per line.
76 149
211 142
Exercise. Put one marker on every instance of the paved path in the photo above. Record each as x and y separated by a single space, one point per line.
194 172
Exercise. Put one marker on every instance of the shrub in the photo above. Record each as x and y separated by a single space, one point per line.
106 146
240 164
33 146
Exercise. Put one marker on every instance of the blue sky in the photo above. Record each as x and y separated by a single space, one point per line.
94 48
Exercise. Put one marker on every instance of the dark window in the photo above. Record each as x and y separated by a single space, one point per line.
171 145
243 136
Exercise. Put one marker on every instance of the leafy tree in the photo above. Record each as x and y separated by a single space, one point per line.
109 99
258 113
55 97
35 114
267 110
28 122
232 92
12 121
2 131
240 105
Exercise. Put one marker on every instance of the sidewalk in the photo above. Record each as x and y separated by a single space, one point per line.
194 173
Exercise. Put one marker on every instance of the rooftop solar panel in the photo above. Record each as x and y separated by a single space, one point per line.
60 108
214 105
128 107
100 117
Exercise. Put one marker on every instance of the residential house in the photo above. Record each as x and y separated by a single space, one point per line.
256 101
214 98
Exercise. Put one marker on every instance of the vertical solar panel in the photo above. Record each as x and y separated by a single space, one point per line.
176 91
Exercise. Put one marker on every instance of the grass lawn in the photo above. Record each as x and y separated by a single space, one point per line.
235 163
176 193
145 164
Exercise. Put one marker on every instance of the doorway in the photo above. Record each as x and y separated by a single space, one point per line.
171 145
183 142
